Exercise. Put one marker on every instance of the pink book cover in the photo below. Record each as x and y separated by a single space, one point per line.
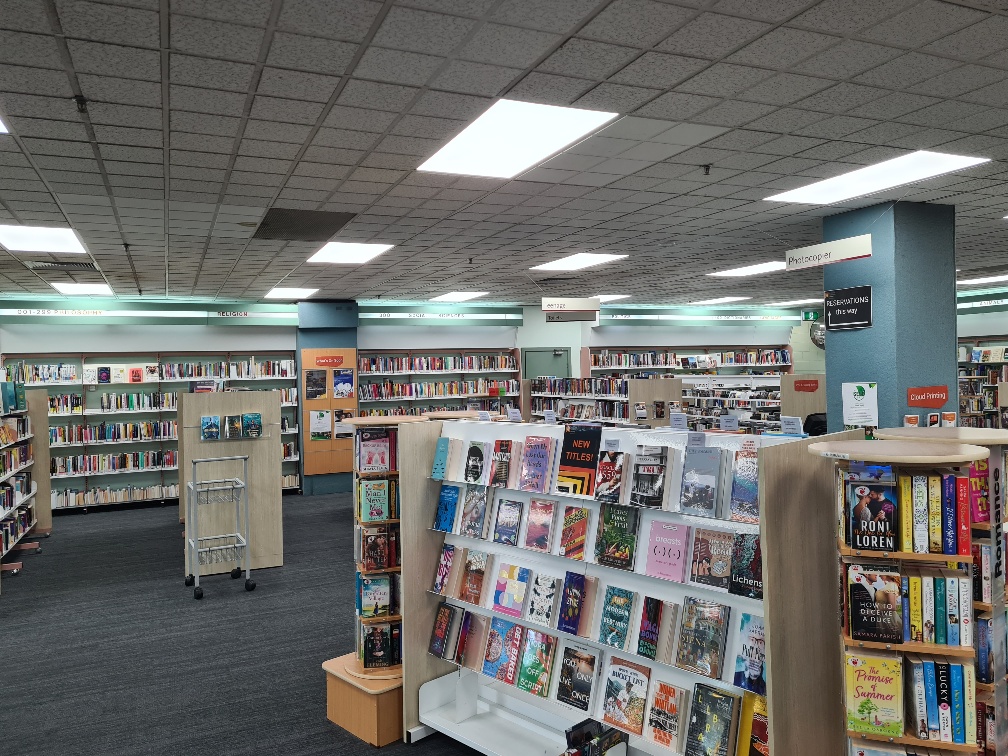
979 491
539 533
667 551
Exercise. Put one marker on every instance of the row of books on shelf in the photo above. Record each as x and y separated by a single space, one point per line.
14 457
590 387
933 699
434 389
95 496
498 405
982 354
599 409
291 481
153 400
883 510
290 451
13 492
15 525
378 596
379 644
627 694
982 376
436 363
64 372
377 499
141 430
970 404
84 464
722 560
376 547
14 428
231 427
702 481
12 397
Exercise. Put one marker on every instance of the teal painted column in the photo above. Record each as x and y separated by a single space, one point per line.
912 341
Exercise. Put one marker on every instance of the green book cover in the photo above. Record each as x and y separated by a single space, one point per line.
19 391
941 611
536 663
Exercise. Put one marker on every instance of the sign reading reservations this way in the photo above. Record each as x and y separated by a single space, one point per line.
847 309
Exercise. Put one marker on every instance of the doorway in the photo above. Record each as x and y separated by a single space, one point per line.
552 361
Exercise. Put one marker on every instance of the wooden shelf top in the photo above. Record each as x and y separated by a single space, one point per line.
384 618
452 415
980 606
978 436
376 474
904 556
913 648
906 452
348 668
361 570
933 745
380 420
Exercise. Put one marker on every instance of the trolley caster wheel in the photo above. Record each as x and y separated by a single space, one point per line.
38 550
250 584
235 573
197 593
190 581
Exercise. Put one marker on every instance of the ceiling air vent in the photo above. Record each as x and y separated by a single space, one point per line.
283 224
42 265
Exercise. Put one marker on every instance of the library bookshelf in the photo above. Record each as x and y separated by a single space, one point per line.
495 718
912 455
649 362
112 416
604 400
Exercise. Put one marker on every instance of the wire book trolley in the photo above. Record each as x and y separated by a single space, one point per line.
224 547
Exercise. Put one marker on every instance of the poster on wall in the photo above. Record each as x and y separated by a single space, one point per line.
315 384
343 387
860 405
320 425
339 427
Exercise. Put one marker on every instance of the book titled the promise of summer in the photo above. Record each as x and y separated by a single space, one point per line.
874 693
616 540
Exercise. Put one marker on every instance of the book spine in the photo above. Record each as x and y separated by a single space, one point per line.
987 591
919 699
983 627
952 597
965 614
906 513
958 704
916 610
928 608
935 545
948 515
963 537
905 593
944 682
920 514
941 611
931 699
969 692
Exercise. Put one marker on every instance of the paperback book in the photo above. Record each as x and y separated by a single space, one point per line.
744 487
543 598
577 677
579 458
614 624
373 450
503 650
665 725
374 500
210 428
232 427
750 658
701 478
875 603
509 593
667 547
439 632
509 515
648 484
537 460
476 463
572 601
443 568
539 531
712 721
747 567
625 695
650 625
444 517
252 425
474 512
712 558
609 477
871 508
574 533
702 637
536 663
440 466
616 540
472 578
500 464
874 693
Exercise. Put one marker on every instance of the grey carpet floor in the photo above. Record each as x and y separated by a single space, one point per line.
106 652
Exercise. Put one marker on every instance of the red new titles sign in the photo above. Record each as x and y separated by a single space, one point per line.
808 386
330 360
933 397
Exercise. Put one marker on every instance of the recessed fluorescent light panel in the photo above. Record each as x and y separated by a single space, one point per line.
795 302
720 300
512 136
289 292
896 172
610 297
460 296
348 253
578 261
984 280
752 270
89 289
3 128
40 239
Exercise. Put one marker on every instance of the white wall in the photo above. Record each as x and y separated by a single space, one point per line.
983 324
436 337
53 339
683 336
806 356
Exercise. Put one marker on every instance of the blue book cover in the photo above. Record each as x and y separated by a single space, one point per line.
952 610
444 520
983 671
905 591
931 695
948 513
614 626
440 458
941 611
958 704
571 601
503 645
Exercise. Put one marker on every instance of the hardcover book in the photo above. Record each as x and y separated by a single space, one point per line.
509 593
537 457
444 518
747 567
379 645
744 487
232 427
625 695
536 663
440 466
472 577
508 522
750 658
616 540
713 715
575 532
614 625
375 596
474 510
872 511
874 693
104 375
609 477
667 546
252 425
579 457
476 464
539 531
979 491
664 725
503 650
210 428
647 487
702 637
701 480
875 603
712 558
443 568
577 677
542 601
373 450
754 730
571 603
650 624
374 500
500 463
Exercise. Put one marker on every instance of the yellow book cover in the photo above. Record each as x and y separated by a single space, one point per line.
916 610
745 724
969 684
934 514
906 512
753 735
874 693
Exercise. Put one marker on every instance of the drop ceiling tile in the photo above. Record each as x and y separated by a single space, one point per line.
785 89
31 80
782 48
475 78
960 80
616 98
733 113
202 142
124 135
922 23
104 23
122 91
310 53
659 70
844 17
255 12
425 126
210 73
892 106
549 89
388 160
637 23
332 155
767 10
132 169
24 15
336 19
48 129
422 32
841 98
212 101
945 113
906 70
33 50
33 106
676 106
215 39
724 80
186 157
354 140
277 109
588 59
837 127
57 147
397 66
371 94
974 42
202 123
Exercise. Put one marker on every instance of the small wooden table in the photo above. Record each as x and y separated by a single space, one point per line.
371 709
